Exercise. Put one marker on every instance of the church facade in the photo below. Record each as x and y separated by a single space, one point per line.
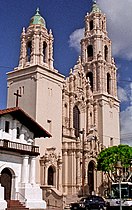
80 111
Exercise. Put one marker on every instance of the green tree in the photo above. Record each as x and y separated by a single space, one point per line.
109 157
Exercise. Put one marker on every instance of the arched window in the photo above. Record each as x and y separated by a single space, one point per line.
108 83
50 176
44 51
91 25
106 52
90 76
18 133
29 50
90 51
76 120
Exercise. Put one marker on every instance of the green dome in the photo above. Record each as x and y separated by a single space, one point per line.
95 7
37 19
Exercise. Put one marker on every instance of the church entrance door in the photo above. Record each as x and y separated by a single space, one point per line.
6 181
91 167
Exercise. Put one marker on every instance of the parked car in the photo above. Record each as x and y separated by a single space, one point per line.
90 202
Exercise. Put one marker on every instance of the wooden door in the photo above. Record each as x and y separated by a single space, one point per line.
91 177
6 180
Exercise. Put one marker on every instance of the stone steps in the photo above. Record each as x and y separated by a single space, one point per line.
15 205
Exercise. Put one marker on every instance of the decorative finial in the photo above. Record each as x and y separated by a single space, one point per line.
23 29
71 71
37 10
50 31
94 1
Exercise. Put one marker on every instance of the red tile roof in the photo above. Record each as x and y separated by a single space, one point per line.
26 120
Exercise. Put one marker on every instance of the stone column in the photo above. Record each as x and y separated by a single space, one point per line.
42 175
74 171
78 164
32 171
86 171
95 114
41 49
65 176
33 49
94 78
1 128
46 175
14 132
59 181
16 187
50 50
37 48
72 130
25 170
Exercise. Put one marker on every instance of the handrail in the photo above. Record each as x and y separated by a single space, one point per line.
18 194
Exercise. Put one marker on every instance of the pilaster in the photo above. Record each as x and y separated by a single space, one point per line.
25 170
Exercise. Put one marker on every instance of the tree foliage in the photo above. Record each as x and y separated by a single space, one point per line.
108 158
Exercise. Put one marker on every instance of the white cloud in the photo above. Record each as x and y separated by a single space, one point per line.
131 94
125 95
119 21
126 125
122 94
126 119
75 38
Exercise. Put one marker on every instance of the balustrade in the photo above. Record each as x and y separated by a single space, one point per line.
10 145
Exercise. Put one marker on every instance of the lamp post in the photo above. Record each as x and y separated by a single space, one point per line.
119 178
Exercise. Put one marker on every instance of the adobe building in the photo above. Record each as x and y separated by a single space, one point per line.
17 160
81 111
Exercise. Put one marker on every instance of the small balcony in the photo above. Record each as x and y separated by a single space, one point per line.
23 149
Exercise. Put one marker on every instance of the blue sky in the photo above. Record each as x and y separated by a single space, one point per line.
66 19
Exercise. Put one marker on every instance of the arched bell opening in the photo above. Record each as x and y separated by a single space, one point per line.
44 52
90 52
29 50
106 52
108 83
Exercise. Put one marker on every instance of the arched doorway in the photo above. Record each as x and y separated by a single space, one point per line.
50 176
6 182
91 168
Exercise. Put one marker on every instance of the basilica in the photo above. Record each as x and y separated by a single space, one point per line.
80 112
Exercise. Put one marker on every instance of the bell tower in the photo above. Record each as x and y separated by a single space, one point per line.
37 82
36 44
100 69
96 54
